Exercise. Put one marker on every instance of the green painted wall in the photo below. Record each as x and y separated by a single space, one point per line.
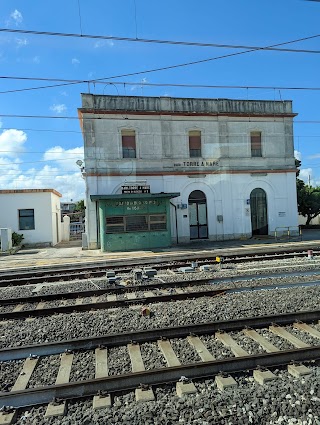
134 240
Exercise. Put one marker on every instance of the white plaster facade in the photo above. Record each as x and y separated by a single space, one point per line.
226 173
46 206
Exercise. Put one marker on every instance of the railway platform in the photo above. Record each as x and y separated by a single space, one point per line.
64 254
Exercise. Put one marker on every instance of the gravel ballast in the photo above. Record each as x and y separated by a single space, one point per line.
284 401
206 309
230 270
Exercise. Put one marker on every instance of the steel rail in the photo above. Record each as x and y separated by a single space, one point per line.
126 302
117 383
120 289
49 311
142 336
98 270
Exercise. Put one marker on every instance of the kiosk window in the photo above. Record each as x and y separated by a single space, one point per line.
115 224
136 223
158 222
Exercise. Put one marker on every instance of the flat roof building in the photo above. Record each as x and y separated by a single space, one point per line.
35 213
172 170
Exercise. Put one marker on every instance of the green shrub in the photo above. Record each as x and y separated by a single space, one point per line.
16 238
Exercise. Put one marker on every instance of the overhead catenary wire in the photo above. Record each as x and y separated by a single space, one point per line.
97 132
164 68
42 160
146 83
51 152
170 42
39 173
251 118
80 20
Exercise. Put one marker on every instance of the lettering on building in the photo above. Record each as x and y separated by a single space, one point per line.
135 189
196 164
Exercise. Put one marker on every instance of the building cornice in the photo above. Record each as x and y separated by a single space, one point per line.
83 111
7 191
190 173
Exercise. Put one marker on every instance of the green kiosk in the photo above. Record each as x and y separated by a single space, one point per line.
134 221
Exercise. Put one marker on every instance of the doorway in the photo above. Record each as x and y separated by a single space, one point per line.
259 212
198 215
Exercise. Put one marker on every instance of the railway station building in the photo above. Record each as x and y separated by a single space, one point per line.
162 171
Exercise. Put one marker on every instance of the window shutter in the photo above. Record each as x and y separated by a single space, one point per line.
195 140
256 143
128 139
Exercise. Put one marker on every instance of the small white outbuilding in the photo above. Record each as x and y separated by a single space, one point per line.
35 213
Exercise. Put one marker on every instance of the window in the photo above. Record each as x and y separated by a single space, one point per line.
115 224
158 222
136 223
195 144
128 138
256 143
26 219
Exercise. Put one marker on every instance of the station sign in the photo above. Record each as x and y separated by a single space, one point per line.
130 189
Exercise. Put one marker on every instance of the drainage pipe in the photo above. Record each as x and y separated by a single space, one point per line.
176 216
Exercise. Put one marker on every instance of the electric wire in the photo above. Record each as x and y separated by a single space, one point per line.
170 42
164 68
80 20
55 153
250 118
145 83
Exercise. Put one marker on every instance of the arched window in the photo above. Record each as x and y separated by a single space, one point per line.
197 203
128 138
259 212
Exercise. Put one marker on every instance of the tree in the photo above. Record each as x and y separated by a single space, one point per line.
298 165
80 206
308 200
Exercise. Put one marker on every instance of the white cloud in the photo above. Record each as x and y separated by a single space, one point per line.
75 61
315 156
21 42
12 142
306 174
70 185
297 155
58 109
64 176
103 43
16 17
64 158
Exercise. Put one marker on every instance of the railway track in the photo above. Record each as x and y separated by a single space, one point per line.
126 296
54 274
103 385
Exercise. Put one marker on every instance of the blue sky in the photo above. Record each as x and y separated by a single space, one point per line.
41 152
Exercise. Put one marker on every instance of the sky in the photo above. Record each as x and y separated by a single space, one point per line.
40 135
